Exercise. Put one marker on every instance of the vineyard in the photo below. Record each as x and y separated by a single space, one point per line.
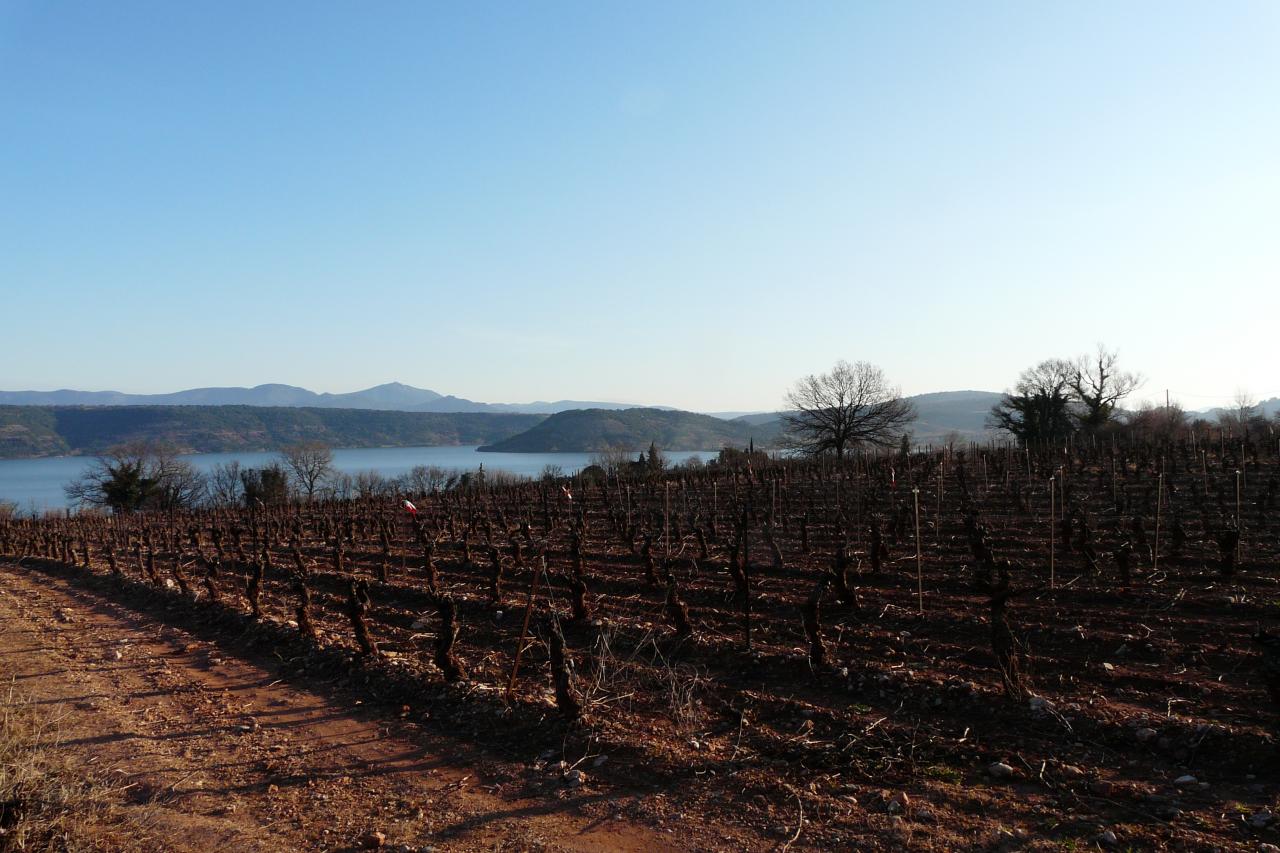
977 647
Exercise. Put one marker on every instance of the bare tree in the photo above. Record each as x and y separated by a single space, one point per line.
371 484
613 460
310 463
1245 404
852 405
1241 415
179 485
341 487
425 479
1164 423
1039 407
138 476
225 486
1098 385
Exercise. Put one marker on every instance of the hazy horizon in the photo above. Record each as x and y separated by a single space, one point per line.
1133 402
637 403
665 204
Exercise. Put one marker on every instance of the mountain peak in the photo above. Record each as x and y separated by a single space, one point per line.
388 395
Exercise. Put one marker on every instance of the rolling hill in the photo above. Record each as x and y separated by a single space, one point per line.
400 415
589 430
30 431
945 412
1268 408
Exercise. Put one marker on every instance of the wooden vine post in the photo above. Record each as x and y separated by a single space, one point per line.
1062 493
919 555
1239 517
666 517
938 531
1155 552
1052 576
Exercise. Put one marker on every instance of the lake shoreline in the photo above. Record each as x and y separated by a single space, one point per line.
277 450
36 483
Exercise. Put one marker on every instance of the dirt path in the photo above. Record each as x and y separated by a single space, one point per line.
217 754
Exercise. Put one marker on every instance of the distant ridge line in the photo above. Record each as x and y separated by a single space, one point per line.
390 396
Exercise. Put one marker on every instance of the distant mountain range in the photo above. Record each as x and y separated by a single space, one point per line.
270 416
1267 408
394 415
392 396
941 412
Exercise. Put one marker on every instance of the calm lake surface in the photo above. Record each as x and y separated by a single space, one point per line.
37 483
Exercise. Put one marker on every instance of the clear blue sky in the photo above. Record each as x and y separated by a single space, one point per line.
673 203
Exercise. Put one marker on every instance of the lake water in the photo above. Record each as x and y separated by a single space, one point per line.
37 483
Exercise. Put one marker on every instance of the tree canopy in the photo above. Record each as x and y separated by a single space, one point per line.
133 477
851 405
1097 386
1039 407
1058 397
310 463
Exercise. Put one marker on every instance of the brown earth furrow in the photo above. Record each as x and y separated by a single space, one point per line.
212 752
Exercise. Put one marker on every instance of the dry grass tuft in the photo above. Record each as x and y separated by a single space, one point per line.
46 804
